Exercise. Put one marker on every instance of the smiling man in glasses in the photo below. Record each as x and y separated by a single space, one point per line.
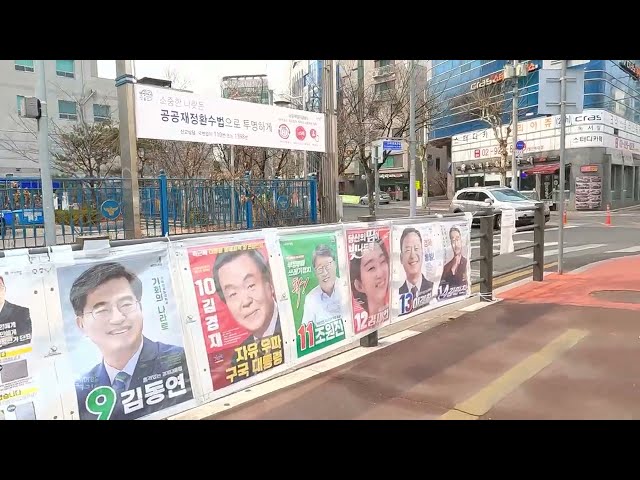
324 302
106 300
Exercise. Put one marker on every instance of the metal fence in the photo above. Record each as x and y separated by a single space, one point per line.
174 206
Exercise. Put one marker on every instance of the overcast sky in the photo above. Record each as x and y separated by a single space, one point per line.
205 75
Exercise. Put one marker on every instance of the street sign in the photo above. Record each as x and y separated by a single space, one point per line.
557 64
110 209
549 92
519 155
392 145
520 145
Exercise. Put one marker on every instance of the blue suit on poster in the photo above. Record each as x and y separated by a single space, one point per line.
155 359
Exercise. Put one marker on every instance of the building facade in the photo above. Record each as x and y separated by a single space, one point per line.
381 77
75 93
602 144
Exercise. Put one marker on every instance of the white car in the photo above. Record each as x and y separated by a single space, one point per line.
490 200
385 198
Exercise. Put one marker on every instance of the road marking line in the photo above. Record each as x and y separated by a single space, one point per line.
480 403
567 249
626 250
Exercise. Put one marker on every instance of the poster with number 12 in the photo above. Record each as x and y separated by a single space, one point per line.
369 271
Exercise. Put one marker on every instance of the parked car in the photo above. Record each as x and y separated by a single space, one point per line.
384 198
489 200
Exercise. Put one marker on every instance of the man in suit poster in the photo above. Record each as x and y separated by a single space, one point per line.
455 273
124 336
416 291
15 321
238 310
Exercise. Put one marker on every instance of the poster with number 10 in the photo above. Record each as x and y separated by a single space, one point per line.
369 271
316 290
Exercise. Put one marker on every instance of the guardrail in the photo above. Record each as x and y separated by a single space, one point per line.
487 254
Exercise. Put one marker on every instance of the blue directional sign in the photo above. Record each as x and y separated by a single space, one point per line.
392 145
283 202
110 209
520 145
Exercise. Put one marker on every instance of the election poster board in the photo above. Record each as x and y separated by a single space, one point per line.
125 349
369 275
455 279
28 390
317 290
241 325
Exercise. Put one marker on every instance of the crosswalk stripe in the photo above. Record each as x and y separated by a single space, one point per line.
626 250
577 248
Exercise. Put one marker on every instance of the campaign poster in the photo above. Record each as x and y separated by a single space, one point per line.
123 335
455 280
317 293
238 310
417 265
21 303
369 275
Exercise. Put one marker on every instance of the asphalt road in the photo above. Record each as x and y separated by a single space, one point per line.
586 238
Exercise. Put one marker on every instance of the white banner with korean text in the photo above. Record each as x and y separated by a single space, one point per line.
166 114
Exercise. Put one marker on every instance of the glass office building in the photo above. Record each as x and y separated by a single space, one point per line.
602 143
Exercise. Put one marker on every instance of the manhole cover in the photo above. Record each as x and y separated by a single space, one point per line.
620 296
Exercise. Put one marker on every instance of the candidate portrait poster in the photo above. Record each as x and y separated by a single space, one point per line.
123 335
369 275
417 267
317 291
26 392
455 279
238 310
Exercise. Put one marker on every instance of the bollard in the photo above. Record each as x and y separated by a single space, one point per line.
486 254
538 244
608 219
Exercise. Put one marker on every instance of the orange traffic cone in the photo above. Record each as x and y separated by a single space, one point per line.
608 218
564 217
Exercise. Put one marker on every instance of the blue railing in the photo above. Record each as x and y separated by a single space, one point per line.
93 206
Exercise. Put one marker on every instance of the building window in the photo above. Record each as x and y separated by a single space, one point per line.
438 163
383 63
24 65
19 101
101 113
384 87
67 110
65 68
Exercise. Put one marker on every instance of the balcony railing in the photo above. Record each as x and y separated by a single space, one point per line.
384 71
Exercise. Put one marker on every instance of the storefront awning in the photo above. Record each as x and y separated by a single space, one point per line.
543 169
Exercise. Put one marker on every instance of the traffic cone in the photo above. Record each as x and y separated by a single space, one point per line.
564 217
608 218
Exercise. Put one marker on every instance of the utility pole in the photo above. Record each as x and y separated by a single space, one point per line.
232 161
329 170
514 121
128 150
44 158
563 120
412 140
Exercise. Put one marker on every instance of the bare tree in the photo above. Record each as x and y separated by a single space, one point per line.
368 112
80 149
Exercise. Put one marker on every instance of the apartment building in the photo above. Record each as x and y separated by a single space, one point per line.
75 93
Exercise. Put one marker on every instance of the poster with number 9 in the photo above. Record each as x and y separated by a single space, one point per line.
124 335
369 273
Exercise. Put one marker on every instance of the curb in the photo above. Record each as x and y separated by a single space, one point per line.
588 266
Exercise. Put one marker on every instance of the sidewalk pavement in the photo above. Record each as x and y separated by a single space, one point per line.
565 348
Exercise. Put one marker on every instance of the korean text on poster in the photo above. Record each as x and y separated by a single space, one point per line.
18 308
316 290
369 272
238 310
418 265
455 281
124 336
